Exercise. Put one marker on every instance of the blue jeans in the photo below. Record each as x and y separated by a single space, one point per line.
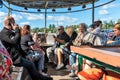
72 60
40 60
29 65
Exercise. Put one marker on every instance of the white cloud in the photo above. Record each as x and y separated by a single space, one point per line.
17 17
2 16
50 17
23 23
103 12
105 7
60 23
106 19
30 16
62 18
110 5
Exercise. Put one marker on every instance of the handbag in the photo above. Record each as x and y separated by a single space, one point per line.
34 54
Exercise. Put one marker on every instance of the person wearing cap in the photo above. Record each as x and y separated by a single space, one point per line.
95 29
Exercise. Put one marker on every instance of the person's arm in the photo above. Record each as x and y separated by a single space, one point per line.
12 40
31 42
59 40
114 43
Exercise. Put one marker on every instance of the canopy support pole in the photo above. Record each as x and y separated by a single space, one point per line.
9 11
93 11
46 4
45 19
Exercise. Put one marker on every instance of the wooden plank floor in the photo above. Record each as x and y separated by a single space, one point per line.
57 75
62 74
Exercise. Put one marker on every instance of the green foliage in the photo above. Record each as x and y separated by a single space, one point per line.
118 21
52 28
108 25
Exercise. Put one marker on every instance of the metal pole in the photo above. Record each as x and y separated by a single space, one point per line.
46 4
45 19
9 9
93 11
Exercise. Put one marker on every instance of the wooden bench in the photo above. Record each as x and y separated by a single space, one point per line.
108 57
20 73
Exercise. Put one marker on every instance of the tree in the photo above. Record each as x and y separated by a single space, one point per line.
52 28
118 21
105 25
111 24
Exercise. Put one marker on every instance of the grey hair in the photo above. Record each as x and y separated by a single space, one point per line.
84 26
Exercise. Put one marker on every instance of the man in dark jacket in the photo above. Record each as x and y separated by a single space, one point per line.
10 37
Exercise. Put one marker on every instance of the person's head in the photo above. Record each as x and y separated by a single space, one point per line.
117 29
98 23
9 22
60 29
93 26
35 35
82 27
69 31
25 30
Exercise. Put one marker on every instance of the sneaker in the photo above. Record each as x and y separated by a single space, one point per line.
59 66
44 74
72 75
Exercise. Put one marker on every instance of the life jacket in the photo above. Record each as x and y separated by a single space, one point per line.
111 76
90 74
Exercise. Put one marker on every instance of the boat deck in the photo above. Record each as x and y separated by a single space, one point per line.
62 74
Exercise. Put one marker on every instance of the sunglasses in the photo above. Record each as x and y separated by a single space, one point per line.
59 29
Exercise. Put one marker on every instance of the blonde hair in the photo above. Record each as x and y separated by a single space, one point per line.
117 26
69 31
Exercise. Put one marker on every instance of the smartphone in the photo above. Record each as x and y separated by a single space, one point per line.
10 25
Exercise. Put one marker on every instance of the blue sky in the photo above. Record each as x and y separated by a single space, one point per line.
105 13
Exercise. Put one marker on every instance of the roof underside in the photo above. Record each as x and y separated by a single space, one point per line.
41 4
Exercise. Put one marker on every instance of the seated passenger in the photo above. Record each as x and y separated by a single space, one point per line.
31 48
115 41
60 40
77 42
83 38
10 37
66 48
96 29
